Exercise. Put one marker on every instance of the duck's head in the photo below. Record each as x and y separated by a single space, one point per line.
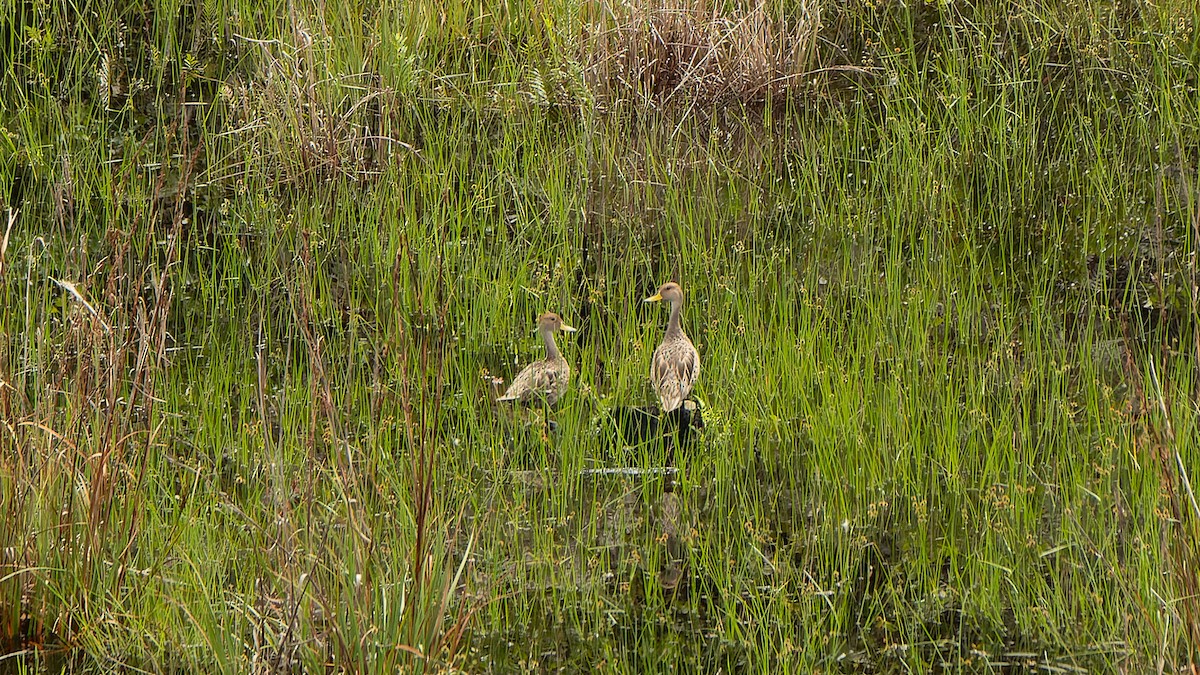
551 322
670 291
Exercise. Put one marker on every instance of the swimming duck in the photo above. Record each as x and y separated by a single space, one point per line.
676 364
544 380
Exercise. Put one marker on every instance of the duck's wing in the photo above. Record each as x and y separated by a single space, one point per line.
694 370
673 370
537 379
521 385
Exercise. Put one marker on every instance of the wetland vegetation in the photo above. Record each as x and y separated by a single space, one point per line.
262 264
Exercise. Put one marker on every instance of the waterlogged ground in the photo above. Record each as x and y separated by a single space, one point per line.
943 296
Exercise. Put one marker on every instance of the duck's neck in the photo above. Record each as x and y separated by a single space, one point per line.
551 348
675 325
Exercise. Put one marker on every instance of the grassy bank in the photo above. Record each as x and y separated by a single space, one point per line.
263 261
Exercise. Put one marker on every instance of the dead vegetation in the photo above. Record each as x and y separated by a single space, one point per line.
79 388
652 52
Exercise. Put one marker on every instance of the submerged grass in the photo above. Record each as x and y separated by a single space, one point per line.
263 266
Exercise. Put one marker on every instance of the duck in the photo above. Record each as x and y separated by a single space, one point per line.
544 381
675 365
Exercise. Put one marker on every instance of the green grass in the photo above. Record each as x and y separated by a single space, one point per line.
942 292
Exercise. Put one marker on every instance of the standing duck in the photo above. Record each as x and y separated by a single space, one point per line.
544 380
676 364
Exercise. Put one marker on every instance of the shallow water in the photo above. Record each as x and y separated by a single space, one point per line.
935 297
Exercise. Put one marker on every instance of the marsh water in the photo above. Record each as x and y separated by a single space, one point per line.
254 317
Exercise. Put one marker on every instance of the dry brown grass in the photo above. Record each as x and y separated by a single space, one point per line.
654 52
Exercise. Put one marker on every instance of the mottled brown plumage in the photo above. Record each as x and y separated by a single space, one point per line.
676 363
546 379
